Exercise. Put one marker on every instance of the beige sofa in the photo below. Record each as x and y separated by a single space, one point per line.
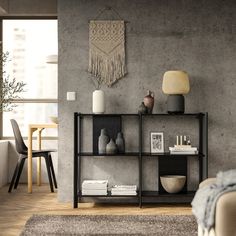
225 217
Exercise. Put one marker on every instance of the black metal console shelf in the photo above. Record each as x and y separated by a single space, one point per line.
114 122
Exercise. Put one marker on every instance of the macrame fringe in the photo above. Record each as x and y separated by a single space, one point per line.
109 69
107 51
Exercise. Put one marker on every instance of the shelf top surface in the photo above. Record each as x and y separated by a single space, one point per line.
137 114
137 154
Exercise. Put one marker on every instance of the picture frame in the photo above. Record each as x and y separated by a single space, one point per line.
157 142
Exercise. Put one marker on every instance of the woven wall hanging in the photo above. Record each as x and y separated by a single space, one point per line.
107 50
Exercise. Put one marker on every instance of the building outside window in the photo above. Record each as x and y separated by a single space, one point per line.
29 42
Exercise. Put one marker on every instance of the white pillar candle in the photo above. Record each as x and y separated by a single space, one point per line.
98 102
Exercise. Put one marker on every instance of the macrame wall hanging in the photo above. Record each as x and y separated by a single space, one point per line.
107 49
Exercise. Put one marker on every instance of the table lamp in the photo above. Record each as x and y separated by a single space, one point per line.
175 84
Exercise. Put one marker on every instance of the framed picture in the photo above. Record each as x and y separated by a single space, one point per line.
157 142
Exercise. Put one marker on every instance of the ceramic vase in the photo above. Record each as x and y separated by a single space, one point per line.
111 147
149 101
103 140
98 102
142 109
120 143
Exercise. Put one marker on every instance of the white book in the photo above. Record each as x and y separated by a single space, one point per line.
125 187
123 193
182 149
94 192
123 190
95 184
132 193
183 146
94 187
184 152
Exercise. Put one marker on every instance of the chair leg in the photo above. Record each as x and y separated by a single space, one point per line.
52 169
49 173
14 176
22 162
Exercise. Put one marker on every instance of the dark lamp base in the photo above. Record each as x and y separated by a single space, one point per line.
175 104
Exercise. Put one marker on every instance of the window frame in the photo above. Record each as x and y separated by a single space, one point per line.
26 100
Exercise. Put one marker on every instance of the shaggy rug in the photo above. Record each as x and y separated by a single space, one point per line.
160 225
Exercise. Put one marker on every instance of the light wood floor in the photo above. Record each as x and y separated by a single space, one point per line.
18 206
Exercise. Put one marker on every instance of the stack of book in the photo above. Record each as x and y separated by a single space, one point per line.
183 149
94 187
128 190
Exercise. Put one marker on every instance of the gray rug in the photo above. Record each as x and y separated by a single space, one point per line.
160 225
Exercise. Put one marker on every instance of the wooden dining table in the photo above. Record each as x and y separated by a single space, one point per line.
31 129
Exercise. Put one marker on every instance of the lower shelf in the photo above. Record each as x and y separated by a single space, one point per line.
156 197
147 197
124 199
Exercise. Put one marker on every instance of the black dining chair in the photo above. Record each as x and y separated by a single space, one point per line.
22 149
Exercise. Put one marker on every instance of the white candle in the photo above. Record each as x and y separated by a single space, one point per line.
177 140
98 102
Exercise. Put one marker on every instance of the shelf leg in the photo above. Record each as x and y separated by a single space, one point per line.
75 197
140 159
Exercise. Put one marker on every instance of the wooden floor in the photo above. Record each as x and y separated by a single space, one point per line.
18 206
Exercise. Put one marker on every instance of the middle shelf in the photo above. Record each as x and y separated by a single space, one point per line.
147 197
89 154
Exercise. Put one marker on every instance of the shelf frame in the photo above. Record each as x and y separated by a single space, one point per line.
142 196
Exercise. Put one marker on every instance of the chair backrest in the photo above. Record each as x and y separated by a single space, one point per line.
20 145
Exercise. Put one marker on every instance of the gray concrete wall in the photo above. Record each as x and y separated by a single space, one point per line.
195 36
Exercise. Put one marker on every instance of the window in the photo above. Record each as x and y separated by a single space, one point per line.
29 42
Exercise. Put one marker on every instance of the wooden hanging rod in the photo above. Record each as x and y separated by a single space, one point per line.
109 8
126 22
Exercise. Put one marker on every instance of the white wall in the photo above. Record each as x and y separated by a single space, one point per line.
3 163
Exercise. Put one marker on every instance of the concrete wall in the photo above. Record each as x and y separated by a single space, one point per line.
195 36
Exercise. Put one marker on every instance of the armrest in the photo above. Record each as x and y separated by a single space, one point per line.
226 215
207 182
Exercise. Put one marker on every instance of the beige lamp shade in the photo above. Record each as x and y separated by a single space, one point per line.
175 82
52 59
